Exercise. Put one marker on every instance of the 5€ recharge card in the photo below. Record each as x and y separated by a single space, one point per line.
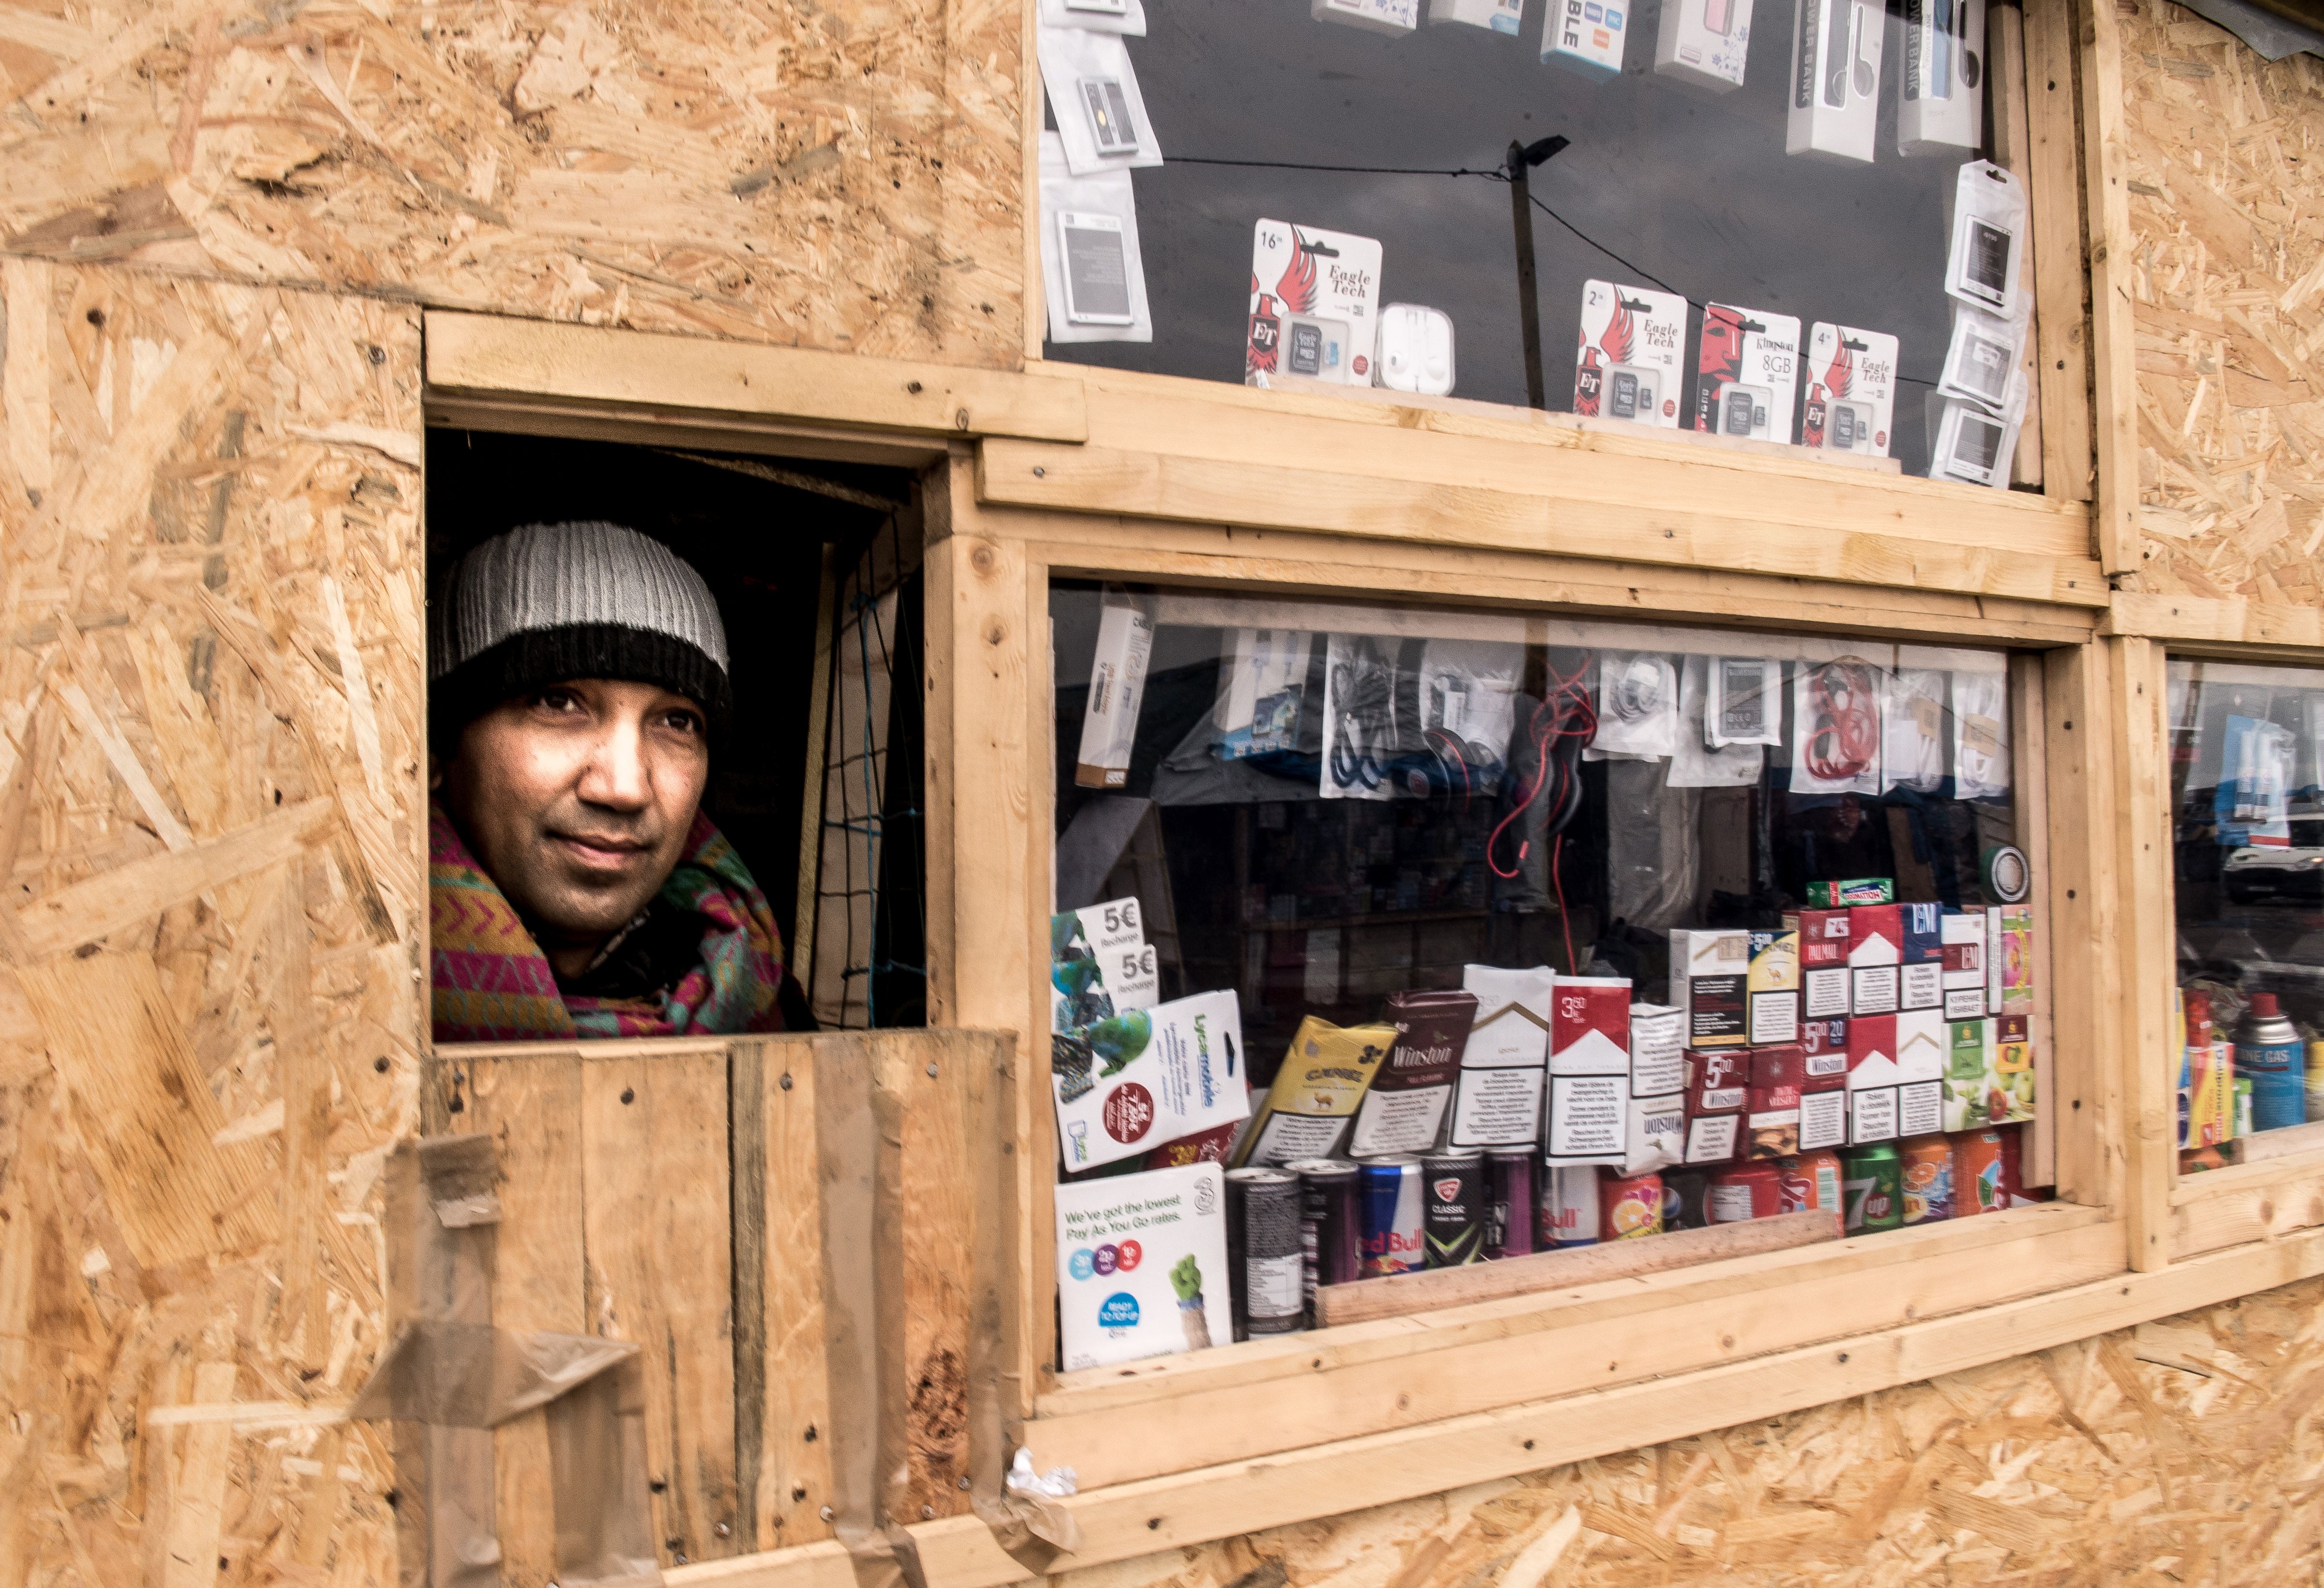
1142 1265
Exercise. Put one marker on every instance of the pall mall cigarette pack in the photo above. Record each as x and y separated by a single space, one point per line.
1404 1109
1708 974
1143 1266
1586 36
1835 88
1748 361
1140 1077
1703 42
1314 303
1823 960
1940 104
1627 365
1851 382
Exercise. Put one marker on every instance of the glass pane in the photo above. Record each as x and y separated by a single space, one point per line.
1637 913
2249 861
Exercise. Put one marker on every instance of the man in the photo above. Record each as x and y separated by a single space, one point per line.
577 679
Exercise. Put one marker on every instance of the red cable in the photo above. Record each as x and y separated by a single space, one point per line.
1565 921
1846 734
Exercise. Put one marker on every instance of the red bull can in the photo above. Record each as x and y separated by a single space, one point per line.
1509 1203
1394 1238
1568 1209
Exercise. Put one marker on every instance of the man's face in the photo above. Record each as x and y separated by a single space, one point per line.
577 802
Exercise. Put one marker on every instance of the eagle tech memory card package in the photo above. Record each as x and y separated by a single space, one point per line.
1702 43
1851 379
1834 94
1628 364
1314 305
1747 372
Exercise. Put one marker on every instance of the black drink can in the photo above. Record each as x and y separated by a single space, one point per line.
1331 1223
1453 1208
1509 1203
1683 1191
1269 1266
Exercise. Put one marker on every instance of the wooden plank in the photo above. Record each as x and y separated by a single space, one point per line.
1435 1290
2114 275
2237 621
2054 183
656 1211
1318 500
2084 922
2029 719
531 1105
2142 824
2286 1141
508 358
2263 1201
2012 151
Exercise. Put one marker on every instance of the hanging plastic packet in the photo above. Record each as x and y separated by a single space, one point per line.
1913 737
1126 17
1982 361
1700 761
1638 706
1093 95
1980 735
1972 445
1467 706
1743 702
1988 233
2254 802
1360 727
1092 273
1262 683
1314 307
1836 733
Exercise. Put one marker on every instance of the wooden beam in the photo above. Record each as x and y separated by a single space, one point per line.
478 356
2012 151
2262 1201
2085 923
2141 821
2114 275
1648 529
2054 184
2236 621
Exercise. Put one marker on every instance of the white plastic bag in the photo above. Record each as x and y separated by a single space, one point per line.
1637 704
1700 761
1913 735
1093 95
1980 735
1987 247
1126 17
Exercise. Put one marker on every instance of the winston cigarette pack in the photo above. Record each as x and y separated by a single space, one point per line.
1315 302
1851 377
1835 86
1140 1077
1748 361
1627 365
1404 1111
1324 1075
1143 1266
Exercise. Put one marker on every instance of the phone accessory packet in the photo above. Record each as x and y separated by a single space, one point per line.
1093 95
1092 273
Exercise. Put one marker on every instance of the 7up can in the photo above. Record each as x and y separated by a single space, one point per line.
1872 1185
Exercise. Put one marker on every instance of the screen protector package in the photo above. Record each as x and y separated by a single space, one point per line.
1126 17
1092 271
1836 733
1700 761
1093 95
1982 363
1637 704
1913 738
1743 701
1987 249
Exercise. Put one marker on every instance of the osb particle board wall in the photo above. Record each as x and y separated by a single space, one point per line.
2226 169
2190 1451
210 836
840 177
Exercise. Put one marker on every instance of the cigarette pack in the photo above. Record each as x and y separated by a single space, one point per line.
1772 1114
1823 1118
1324 1077
2010 1088
1314 300
1852 891
1627 365
1709 971
1823 1050
1871 1116
1835 86
1586 36
1590 1025
1712 1138
1941 107
1748 361
1383 16
1125 639
1143 1266
1499 1096
2017 959
1500 17
1404 1109
1872 1051
1968 1065
1657 1050
1703 42
1921 1044
1920 1108
1135 1079
1874 933
1587 1121
1654 1134
1717 1081
1962 937
1772 989
1851 376
1921 976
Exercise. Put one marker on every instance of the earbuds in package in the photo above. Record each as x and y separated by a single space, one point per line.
1415 349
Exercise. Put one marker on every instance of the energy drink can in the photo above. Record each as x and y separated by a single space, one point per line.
1744 1193
1630 1206
1393 1242
1928 1179
1270 1263
1331 1228
1976 1173
1453 1202
1568 1209
1810 1182
1509 1203
1872 1179
1686 1195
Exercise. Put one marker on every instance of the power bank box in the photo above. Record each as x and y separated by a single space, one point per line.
1703 42
1941 100
1314 304
1708 975
1628 364
1835 88
1851 402
1384 16
1746 362
1586 36
1125 639
1500 17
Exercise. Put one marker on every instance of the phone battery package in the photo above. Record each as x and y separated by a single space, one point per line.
1264 684
1127 17
1702 43
1747 372
1941 100
1628 362
1986 252
1500 16
1381 16
1981 362
1092 273
1835 88
1972 445
1314 305
1851 401
1093 95
1586 36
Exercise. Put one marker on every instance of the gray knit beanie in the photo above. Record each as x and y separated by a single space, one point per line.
584 600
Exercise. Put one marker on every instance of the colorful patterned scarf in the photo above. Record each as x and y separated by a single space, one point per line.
493 984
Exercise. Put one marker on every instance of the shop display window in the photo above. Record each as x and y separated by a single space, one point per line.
2247 814
1776 222
1392 939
